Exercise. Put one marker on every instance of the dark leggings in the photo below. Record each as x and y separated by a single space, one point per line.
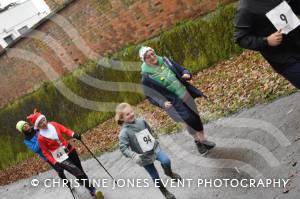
60 173
292 73
73 156
187 113
192 120
73 166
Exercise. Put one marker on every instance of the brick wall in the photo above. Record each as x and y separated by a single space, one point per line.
105 25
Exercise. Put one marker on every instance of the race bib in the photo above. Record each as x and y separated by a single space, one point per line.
145 140
60 154
283 18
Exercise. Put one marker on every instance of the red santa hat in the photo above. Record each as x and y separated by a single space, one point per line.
35 118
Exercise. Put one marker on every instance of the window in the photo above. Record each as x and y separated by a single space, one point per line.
9 39
23 30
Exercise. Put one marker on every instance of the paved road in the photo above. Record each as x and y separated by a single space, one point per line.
257 144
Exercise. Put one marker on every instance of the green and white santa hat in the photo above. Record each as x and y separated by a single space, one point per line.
20 125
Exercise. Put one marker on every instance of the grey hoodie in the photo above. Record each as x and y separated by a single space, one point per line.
129 145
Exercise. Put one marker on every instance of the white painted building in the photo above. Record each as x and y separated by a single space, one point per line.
20 17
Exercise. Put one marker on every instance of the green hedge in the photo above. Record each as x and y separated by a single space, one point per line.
196 44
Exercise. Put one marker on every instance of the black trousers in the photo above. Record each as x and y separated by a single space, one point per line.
73 166
292 73
60 173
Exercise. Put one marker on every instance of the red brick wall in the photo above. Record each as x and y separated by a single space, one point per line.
104 25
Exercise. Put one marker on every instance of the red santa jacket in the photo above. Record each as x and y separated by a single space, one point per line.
47 145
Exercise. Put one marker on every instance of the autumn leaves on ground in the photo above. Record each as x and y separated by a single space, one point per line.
232 85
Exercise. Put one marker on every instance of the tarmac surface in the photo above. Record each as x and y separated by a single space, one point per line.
257 153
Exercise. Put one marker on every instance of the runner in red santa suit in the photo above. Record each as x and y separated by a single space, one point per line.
58 151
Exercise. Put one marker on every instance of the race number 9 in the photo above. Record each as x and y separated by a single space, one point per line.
284 18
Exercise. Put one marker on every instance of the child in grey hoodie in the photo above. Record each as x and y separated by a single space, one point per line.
136 141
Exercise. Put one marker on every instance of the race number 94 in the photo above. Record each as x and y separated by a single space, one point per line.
147 139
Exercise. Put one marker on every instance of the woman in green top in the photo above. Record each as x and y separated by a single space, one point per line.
165 84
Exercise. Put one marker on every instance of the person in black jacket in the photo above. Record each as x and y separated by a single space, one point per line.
253 30
165 84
